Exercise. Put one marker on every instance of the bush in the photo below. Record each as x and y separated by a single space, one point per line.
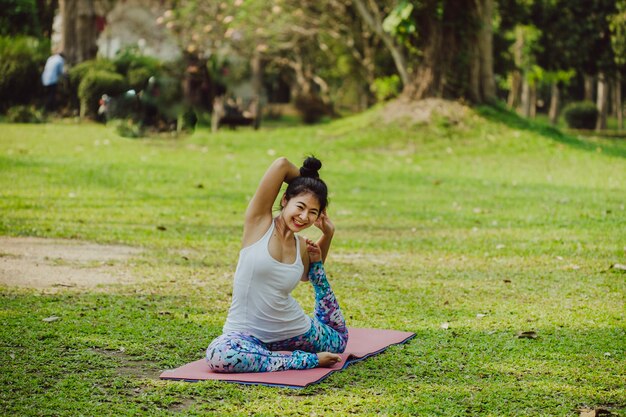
127 128
21 61
138 78
386 88
581 115
93 85
78 72
25 114
137 68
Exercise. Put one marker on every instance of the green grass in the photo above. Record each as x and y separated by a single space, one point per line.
436 223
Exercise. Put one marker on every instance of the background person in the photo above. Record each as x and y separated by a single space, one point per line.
50 78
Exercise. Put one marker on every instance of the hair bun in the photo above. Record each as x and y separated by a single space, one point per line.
310 167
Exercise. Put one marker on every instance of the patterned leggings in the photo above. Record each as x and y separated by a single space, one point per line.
241 352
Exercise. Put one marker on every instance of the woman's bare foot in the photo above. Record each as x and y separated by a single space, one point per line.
328 359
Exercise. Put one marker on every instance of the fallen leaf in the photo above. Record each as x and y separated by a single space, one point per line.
619 267
161 228
527 335
480 315
445 325
200 185
506 281
51 319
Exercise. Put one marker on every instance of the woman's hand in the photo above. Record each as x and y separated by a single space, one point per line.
324 223
314 251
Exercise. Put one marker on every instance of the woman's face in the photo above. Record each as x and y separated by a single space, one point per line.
301 211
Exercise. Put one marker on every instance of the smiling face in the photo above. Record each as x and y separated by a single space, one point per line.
300 212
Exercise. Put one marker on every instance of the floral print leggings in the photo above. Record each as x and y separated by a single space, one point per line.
241 352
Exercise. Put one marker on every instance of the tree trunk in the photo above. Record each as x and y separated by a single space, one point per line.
618 102
456 51
602 102
532 101
525 110
485 49
554 103
79 32
588 82
515 93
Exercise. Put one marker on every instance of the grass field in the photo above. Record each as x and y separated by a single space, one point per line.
491 224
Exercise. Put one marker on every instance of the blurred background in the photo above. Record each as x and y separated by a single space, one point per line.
165 65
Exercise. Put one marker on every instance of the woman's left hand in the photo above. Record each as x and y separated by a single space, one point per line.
324 223
314 251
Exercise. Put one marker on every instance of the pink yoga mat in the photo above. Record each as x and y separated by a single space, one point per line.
362 344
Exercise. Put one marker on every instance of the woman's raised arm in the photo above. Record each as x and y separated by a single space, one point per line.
260 206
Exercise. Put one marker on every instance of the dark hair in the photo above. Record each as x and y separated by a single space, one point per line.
309 181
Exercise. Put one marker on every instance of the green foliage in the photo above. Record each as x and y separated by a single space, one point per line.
581 115
127 128
79 71
617 25
21 61
136 67
25 114
137 78
386 88
94 84
399 22
19 17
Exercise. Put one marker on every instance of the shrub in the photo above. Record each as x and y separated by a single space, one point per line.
78 72
137 68
93 85
386 88
127 128
581 115
21 61
25 114
138 78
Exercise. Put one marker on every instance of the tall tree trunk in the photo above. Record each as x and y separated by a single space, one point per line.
514 98
485 50
602 102
525 110
79 32
618 102
554 103
532 101
588 84
456 58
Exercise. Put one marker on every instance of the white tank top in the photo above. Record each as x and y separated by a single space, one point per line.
262 304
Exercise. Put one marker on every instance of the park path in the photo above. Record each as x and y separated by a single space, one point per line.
40 263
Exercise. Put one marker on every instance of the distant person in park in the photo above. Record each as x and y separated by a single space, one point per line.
264 318
50 78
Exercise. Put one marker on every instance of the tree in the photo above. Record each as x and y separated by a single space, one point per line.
441 48
79 33
617 25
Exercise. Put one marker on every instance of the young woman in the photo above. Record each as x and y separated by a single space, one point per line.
264 318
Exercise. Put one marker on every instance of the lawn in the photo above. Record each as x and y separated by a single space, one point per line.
488 224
